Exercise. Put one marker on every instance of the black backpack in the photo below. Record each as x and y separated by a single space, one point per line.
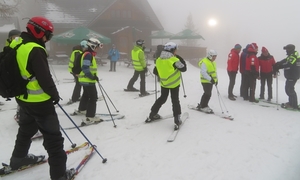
77 63
12 83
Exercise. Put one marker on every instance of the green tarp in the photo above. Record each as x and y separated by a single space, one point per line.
187 34
76 35
162 34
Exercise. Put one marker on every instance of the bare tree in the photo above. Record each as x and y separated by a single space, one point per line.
8 9
190 25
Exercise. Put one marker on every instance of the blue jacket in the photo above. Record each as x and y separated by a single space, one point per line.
114 54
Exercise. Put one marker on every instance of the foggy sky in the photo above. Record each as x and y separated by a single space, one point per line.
269 23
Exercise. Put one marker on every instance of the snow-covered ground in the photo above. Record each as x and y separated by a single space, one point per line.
262 143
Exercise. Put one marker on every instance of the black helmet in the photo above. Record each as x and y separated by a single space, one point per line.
140 42
14 32
289 47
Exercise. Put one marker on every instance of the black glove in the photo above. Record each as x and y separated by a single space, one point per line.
155 71
145 69
96 78
212 81
55 101
216 83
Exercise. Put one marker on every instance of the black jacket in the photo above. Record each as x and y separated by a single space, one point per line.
291 66
38 66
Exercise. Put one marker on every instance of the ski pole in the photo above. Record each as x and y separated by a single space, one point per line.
103 159
155 87
183 86
53 72
101 89
221 101
73 144
277 74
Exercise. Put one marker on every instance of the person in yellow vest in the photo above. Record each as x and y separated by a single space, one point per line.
140 68
37 110
208 77
88 78
168 67
76 53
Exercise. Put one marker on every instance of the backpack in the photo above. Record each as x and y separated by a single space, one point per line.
12 84
77 63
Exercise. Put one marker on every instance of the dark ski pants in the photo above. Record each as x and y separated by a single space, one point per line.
242 87
41 116
232 76
76 90
88 100
263 78
207 88
163 98
290 91
142 83
113 66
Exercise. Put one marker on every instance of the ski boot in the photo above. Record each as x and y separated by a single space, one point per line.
177 121
152 118
30 159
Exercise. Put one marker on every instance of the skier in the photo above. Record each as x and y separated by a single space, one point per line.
291 66
37 111
88 78
242 71
251 73
169 67
156 55
232 68
208 77
77 52
140 68
266 62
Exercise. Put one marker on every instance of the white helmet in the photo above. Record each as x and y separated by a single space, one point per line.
93 43
211 53
170 46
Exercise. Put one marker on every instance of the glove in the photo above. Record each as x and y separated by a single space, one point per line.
216 83
155 71
212 81
145 69
96 78
55 101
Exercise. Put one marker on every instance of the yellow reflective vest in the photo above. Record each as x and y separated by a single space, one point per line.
211 70
72 59
169 76
93 69
34 90
138 58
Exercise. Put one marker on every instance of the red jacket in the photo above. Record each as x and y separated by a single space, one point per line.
266 63
252 63
233 61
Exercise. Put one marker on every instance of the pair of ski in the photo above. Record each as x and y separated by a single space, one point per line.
228 117
173 135
103 117
151 92
6 170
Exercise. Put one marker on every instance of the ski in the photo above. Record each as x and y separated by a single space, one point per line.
6 170
148 120
37 136
173 135
83 162
134 90
221 115
104 119
141 96
99 114
283 106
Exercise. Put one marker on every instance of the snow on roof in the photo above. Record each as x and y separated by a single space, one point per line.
56 15
7 27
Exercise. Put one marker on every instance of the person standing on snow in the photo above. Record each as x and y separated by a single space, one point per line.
232 68
242 70
208 77
251 73
291 66
114 55
266 62
140 68
168 67
88 78
77 53
37 111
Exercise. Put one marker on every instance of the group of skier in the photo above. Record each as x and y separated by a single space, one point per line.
263 68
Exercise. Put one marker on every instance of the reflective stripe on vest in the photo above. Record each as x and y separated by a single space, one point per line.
35 92
135 59
72 59
169 76
93 69
211 69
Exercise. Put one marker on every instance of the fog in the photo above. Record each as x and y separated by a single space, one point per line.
272 24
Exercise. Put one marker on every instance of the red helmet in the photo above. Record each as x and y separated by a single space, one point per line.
39 27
